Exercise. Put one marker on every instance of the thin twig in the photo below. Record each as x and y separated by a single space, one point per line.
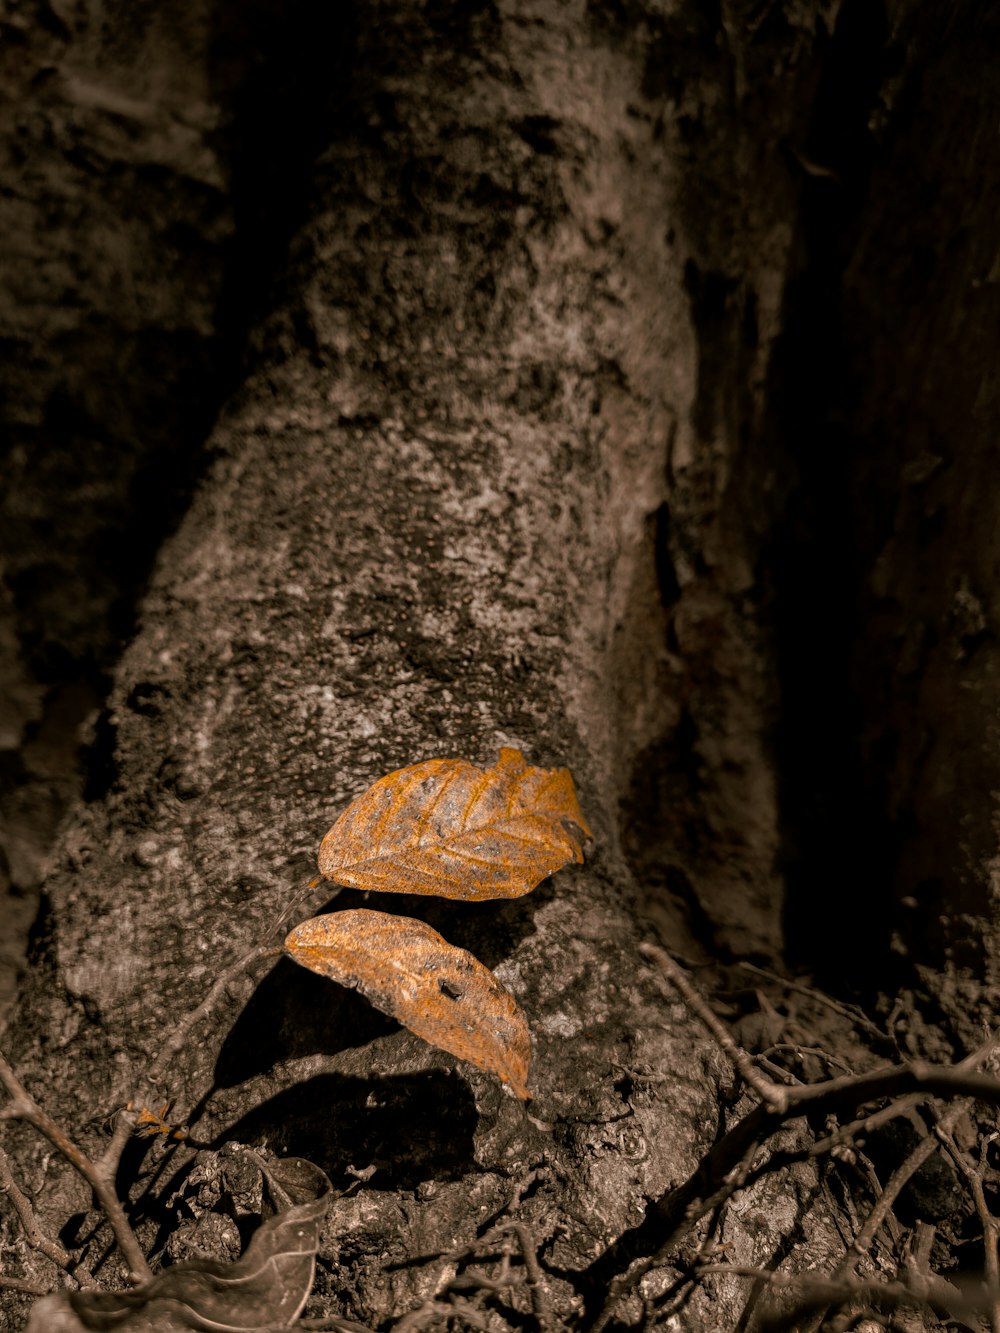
673 1212
291 908
863 1125
820 1296
816 1296
175 1043
987 1221
501 1225
24 1107
761 1277
20 1284
473 1280
892 1081
456 1306
769 1091
178 1039
536 1288
423 1314
866 1168
918 1261
687 1205
896 1108
101 1175
34 1235
882 1210
796 1048
846 1011
880 1213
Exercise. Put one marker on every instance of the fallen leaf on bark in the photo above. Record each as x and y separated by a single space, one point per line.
267 1287
407 970
449 828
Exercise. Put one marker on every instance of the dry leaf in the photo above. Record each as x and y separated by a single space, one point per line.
266 1288
150 1123
441 993
449 828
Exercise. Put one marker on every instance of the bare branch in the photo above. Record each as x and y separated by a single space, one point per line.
175 1043
529 1252
974 1177
903 1173
26 1288
772 1093
179 1037
675 1214
850 1012
24 1107
817 1297
34 1235
863 1125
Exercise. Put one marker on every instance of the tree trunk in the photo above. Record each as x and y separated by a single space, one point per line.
576 419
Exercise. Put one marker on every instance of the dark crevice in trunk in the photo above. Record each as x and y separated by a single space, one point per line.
287 74
835 841
792 503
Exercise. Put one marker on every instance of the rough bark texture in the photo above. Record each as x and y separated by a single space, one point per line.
576 419
116 214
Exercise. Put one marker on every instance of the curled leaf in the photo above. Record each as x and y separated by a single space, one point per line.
150 1123
409 971
449 828
267 1287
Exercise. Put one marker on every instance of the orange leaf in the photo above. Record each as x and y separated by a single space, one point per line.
407 970
449 828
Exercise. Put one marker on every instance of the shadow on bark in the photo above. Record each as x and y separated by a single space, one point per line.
410 1127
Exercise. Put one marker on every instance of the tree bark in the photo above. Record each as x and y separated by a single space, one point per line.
523 452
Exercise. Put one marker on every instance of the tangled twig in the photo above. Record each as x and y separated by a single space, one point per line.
34 1235
727 1166
23 1106
974 1177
